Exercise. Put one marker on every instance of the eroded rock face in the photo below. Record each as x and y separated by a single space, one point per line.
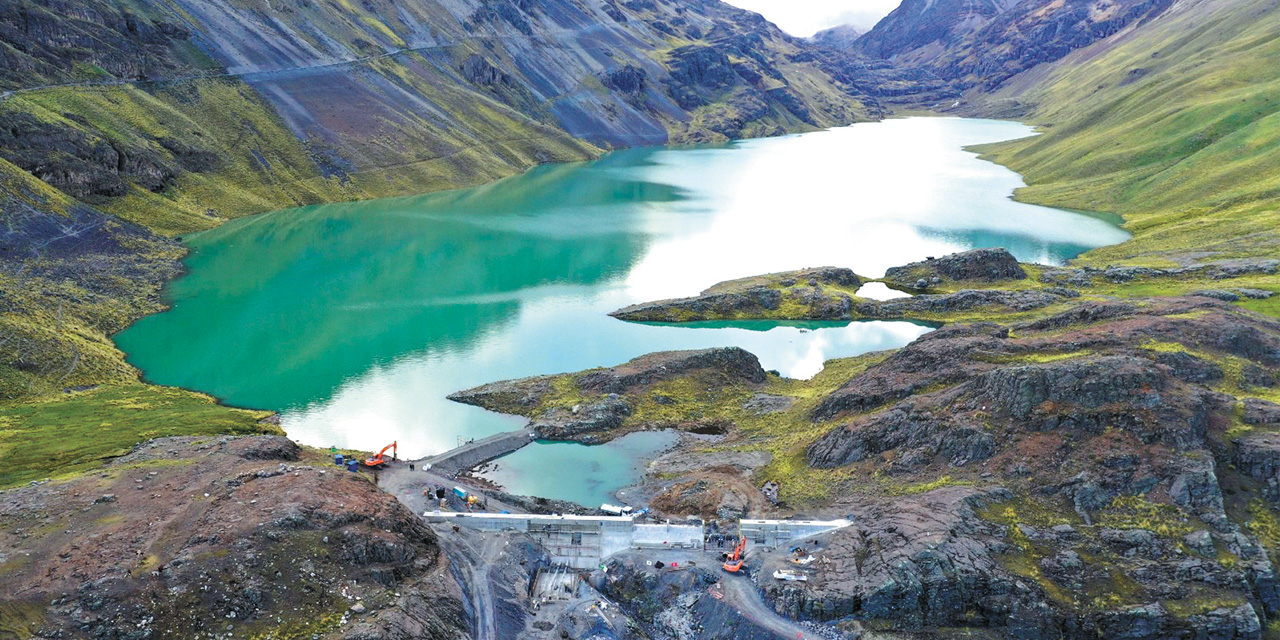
1092 394
936 358
724 493
986 42
93 167
983 265
964 394
922 561
1261 412
963 300
918 436
1086 395
1258 456
563 423
734 362
934 561
1113 414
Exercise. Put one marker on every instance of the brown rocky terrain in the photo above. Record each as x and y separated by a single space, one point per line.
220 537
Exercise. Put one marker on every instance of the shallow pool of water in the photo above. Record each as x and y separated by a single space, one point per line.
356 320
880 291
597 471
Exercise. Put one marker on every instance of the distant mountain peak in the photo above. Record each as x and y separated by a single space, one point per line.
982 43
838 37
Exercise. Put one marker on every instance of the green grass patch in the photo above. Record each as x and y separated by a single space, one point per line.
898 489
1136 512
20 619
1263 524
77 432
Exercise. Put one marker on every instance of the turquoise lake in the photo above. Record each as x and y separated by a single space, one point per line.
356 320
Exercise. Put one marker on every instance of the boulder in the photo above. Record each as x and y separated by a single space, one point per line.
1257 455
1260 412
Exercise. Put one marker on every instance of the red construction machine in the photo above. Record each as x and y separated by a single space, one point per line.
733 563
381 459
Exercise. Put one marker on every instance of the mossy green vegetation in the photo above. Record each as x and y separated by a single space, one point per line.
20 619
900 489
303 627
1024 555
1106 583
1233 369
1137 512
1263 523
79 431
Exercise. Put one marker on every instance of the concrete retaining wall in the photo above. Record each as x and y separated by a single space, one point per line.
667 536
580 541
773 533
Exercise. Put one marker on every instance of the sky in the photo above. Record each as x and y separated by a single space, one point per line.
805 17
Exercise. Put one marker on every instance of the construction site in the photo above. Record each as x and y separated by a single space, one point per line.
550 570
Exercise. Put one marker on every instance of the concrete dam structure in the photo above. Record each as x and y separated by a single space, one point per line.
582 542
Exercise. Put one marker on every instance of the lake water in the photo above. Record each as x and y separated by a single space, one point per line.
355 320
598 470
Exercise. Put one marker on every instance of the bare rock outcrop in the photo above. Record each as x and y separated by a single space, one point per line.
980 265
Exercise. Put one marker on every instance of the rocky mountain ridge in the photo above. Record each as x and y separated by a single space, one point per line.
983 43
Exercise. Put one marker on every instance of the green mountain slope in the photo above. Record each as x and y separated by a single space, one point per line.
1173 125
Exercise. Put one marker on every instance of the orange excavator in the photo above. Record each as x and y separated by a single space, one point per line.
381 459
733 563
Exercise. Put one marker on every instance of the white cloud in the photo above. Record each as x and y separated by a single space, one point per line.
806 17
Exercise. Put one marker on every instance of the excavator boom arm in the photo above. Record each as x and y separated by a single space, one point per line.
380 458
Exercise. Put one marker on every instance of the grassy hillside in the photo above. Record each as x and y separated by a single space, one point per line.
68 434
1174 125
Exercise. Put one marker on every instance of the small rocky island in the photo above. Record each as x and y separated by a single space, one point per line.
973 285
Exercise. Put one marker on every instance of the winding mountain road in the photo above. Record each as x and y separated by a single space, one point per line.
258 75
742 595
478 553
